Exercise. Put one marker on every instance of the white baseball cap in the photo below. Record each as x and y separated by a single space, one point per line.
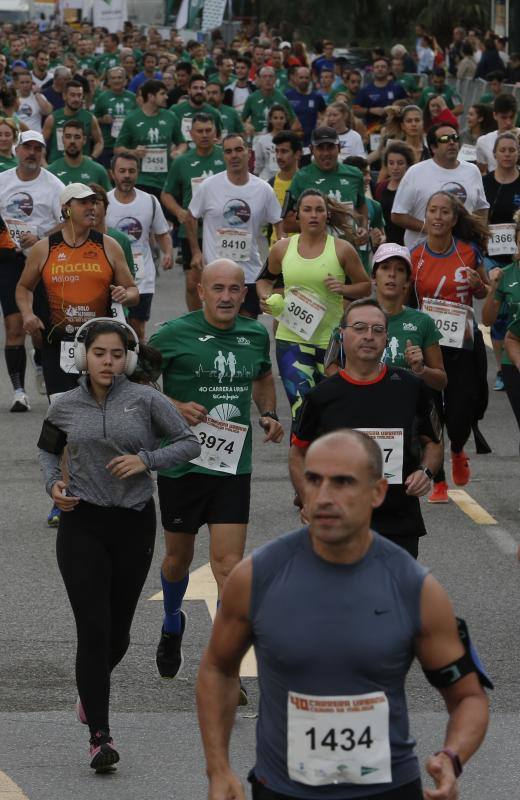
76 191
285 44
30 136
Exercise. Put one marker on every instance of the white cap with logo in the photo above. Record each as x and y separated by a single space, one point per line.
30 136
76 191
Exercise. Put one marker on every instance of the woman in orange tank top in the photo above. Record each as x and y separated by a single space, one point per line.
82 272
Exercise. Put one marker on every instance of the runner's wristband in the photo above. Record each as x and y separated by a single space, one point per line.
455 760
427 471
271 414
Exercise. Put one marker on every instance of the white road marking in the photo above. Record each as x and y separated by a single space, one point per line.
9 790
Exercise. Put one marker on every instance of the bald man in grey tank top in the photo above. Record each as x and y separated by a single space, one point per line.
336 614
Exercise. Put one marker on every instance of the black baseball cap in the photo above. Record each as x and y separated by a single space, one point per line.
324 135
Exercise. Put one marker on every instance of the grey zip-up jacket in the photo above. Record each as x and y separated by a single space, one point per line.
134 419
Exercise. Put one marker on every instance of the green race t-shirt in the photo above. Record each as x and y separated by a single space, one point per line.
55 147
282 79
126 246
157 133
185 112
450 94
89 171
8 163
257 108
409 324
107 61
231 122
187 171
344 184
375 220
508 291
118 106
215 368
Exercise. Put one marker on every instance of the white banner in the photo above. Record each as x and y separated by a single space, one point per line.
110 14
213 14
182 15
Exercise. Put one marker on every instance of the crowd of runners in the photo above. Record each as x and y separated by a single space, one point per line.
364 209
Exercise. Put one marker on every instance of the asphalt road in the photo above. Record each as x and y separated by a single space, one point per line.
43 750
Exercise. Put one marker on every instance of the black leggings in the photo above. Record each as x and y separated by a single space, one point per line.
411 791
458 405
104 555
511 378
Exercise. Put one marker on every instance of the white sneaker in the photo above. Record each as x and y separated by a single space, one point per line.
38 374
20 402
40 382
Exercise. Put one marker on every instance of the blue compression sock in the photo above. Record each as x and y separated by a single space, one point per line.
173 593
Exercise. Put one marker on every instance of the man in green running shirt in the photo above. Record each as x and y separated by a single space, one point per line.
258 103
231 122
151 133
73 109
111 108
195 103
185 176
74 167
214 363
327 174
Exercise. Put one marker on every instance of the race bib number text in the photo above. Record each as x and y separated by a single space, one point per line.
303 313
234 244
155 160
221 444
342 739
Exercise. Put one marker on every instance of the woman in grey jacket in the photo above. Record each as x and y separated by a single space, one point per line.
113 429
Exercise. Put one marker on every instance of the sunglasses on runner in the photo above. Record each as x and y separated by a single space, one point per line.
447 137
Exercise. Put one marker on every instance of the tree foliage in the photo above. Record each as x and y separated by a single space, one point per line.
372 22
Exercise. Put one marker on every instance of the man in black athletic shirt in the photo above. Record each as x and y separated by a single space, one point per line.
391 405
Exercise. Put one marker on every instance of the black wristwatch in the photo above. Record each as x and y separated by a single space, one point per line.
427 471
271 414
455 760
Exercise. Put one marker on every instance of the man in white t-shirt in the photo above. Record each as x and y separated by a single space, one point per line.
30 196
234 206
33 105
30 206
504 111
443 172
138 214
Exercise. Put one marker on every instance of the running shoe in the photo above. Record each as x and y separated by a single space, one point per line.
53 519
499 383
103 754
38 374
439 493
80 712
460 471
20 402
169 657
242 697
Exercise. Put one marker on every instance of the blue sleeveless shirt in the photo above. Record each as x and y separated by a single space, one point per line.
321 628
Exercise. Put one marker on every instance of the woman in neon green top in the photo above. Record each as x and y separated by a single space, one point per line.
314 266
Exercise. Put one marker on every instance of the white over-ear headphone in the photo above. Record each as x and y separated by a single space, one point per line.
80 351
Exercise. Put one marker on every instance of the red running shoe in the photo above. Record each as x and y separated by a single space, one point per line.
439 493
460 471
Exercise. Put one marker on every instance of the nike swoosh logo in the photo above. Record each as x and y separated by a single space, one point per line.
513 284
205 338
134 408
378 613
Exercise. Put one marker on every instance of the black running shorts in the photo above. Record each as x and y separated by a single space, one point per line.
198 499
